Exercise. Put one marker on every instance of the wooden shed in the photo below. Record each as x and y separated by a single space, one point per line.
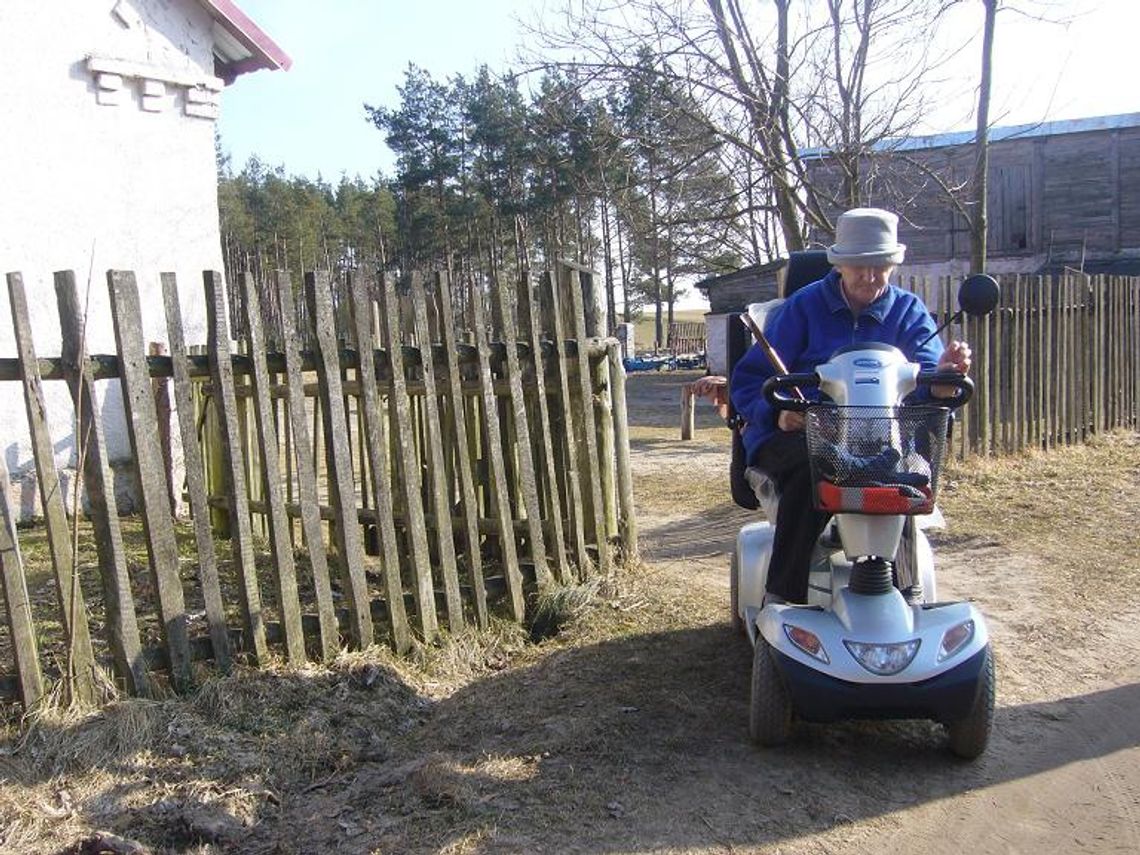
728 295
1061 194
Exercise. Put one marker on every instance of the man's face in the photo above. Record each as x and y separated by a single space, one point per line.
863 285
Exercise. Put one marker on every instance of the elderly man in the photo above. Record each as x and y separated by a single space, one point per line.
855 302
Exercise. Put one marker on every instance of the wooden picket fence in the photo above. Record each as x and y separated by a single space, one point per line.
1057 362
483 457
686 337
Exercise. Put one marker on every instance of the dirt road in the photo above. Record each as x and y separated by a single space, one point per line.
1062 773
627 732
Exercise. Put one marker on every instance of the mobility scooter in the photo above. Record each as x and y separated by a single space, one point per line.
873 640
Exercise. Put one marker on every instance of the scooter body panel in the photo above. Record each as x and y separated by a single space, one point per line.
874 619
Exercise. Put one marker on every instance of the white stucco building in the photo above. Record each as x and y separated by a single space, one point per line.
107 161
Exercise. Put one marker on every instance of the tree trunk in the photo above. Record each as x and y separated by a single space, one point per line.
979 220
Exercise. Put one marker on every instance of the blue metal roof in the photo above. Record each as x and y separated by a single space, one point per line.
997 134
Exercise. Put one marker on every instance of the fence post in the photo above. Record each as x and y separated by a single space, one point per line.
280 545
379 448
529 321
19 607
122 622
436 469
627 518
192 458
589 435
161 547
408 467
574 500
688 412
501 299
470 502
496 473
225 400
342 492
79 669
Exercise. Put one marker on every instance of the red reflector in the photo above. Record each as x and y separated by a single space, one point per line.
804 640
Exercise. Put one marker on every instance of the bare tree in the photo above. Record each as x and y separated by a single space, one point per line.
771 81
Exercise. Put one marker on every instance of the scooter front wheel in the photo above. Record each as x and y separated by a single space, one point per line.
770 707
970 735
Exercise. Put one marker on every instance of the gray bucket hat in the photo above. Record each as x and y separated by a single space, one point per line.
866 237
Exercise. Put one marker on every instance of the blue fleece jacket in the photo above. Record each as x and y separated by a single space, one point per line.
810 326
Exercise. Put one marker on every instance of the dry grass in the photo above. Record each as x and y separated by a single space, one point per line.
1073 508
374 738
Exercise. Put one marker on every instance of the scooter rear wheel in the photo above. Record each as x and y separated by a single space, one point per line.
970 735
770 707
734 595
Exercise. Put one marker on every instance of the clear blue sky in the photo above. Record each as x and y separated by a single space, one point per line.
348 52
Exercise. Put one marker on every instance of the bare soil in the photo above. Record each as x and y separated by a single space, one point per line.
627 730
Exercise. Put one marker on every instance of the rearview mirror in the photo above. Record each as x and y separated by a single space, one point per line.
978 295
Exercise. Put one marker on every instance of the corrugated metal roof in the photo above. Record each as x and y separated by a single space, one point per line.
239 44
997 134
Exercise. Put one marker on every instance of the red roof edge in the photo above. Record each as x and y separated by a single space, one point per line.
266 52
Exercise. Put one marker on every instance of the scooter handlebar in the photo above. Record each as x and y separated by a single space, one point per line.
961 382
777 385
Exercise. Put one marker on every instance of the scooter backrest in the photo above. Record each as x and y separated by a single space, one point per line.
804 267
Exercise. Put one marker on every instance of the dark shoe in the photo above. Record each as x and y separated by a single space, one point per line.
774 599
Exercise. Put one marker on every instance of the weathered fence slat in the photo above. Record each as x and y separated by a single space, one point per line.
379 467
225 400
497 470
627 519
406 464
280 546
587 432
122 622
195 483
525 475
440 492
342 491
17 603
568 434
150 471
79 667
528 320
470 504
299 455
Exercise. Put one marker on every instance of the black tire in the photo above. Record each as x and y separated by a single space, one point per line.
970 735
734 594
770 707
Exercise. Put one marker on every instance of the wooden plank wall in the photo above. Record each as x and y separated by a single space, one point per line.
401 476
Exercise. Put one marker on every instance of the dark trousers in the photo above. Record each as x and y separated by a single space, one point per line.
784 459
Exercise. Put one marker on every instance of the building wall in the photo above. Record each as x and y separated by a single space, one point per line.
107 162
1051 198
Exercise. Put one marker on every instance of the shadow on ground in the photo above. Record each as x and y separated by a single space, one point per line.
642 744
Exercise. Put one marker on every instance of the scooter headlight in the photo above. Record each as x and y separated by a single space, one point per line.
806 641
883 659
954 639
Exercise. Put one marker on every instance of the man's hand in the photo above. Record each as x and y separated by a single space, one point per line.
714 387
790 420
956 357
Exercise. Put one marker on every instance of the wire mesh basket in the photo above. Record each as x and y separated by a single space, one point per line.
876 460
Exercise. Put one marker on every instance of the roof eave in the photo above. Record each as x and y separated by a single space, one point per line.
258 52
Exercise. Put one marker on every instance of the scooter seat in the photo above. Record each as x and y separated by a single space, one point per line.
765 490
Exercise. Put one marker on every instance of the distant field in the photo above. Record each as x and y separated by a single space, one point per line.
643 327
